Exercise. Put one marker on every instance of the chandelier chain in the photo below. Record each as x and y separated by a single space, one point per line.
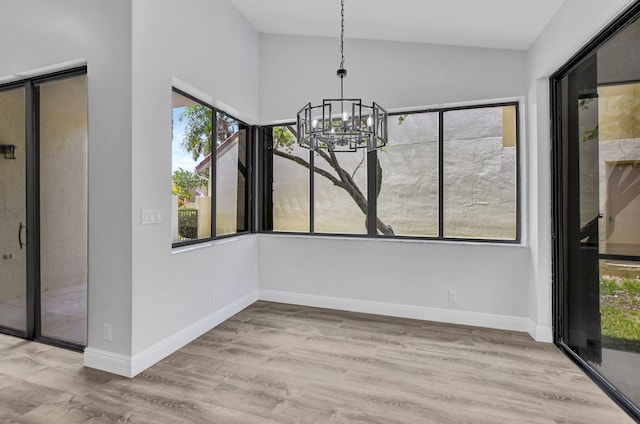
342 125
342 35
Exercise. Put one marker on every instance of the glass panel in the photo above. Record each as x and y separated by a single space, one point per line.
620 316
408 199
13 259
480 173
191 169
243 180
580 111
290 182
619 124
588 159
63 209
601 210
340 190
231 147
618 130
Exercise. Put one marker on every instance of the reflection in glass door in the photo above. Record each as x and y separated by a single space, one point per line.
597 212
619 241
13 216
62 141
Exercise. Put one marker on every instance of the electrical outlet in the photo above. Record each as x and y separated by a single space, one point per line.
107 332
453 296
7 256
158 216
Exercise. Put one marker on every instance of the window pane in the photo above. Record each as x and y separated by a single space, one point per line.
63 224
480 173
231 175
618 125
339 208
191 162
290 183
13 214
408 199
243 180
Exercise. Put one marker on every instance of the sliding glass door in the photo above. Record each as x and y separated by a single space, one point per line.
13 213
43 209
597 210
62 208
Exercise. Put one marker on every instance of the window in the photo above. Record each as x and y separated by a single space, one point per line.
480 173
231 175
408 199
291 188
444 174
339 183
340 192
210 187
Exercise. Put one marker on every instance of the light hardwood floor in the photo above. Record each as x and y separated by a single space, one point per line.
276 363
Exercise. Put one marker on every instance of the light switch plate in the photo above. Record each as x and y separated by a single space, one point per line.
147 216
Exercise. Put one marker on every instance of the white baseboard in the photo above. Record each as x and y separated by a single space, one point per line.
544 334
131 366
540 333
451 316
104 360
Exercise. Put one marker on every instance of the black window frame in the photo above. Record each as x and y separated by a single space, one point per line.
249 183
265 203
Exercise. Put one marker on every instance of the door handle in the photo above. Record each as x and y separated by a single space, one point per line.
20 235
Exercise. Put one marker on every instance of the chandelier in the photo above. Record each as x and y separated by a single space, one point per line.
342 125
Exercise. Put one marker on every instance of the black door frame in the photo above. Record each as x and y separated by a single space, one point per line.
559 169
32 159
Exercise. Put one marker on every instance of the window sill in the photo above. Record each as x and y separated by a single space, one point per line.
208 243
461 242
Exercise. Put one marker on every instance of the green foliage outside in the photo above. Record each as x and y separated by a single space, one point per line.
283 139
197 141
188 224
184 184
620 313
197 135
198 129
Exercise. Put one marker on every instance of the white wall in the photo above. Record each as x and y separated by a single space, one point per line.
405 278
209 50
39 37
493 282
295 70
575 23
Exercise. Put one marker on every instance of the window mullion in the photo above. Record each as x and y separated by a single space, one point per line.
213 180
441 174
372 186
311 192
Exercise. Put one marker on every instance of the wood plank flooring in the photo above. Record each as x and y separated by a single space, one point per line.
277 363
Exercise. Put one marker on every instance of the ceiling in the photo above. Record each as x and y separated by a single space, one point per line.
508 24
